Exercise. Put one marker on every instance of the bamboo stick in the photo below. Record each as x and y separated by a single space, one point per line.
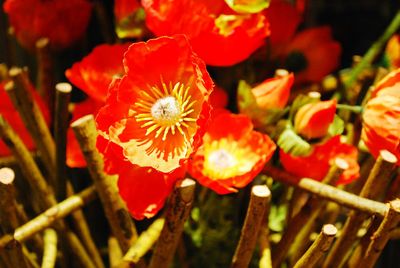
63 93
32 116
50 216
145 242
9 161
320 246
45 73
177 212
8 208
260 196
265 246
376 183
114 252
382 235
50 248
118 217
16 257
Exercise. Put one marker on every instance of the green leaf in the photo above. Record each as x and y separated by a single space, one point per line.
276 220
246 99
336 127
293 144
248 6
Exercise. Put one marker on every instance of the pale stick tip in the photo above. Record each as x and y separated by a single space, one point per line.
388 156
64 87
281 72
186 183
341 163
261 191
395 204
9 85
329 229
186 188
7 175
314 94
14 71
82 120
42 42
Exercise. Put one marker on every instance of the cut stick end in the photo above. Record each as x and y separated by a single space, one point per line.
341 163
14 71
9 86
64 87
186 189
82 121
261 191
7 175
395 204
314 94
388 156
42 42
281 72
329 229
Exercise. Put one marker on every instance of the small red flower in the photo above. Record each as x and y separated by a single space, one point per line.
313 119
316 165
219 35
153 119
232 153
312 54
8 111
93 75
381 117
63 22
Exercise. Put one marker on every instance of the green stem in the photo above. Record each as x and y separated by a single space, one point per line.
352 108
372 52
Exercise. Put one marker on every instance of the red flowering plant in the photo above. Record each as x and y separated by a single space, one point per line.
129 19
265 103
381 117
93 75
232 153
8 111
163 96
62 22
218 34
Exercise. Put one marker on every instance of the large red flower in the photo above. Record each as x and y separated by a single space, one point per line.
12 116
311 54
232 153
218 34
154 116
63 22
316 165
381 117
93 75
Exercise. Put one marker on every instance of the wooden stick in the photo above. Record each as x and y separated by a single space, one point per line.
50 248
260 196
309 212
16 257
8 208
63 93
118 217
47 218
395 234
382 235
376 183
265 246
178 211
45 73
320 246
145 242
32 116
114 252
9 161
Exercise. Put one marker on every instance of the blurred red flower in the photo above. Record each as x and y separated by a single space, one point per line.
316 165
218 98
63 22
8 111
313 119
93 75
232 153
311 54
219 35
154 118
381 117
129 18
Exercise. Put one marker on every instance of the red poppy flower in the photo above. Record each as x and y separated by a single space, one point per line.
155 116
232 153
392 51
63 22
316 165
284 19
312 54
94 73
381 117
313 119
218 98
8 111
219 35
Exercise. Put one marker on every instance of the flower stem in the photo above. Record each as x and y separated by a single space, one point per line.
353 108
372 52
